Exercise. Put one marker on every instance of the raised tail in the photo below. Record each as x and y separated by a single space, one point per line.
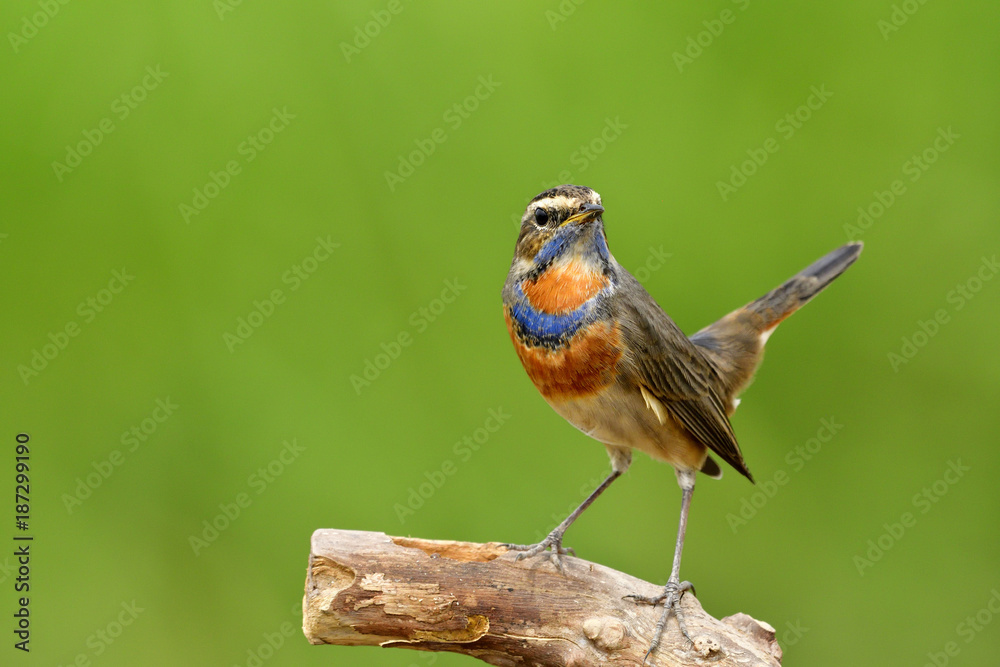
795 292
735 344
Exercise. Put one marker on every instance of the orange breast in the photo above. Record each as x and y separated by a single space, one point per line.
582 367
563 289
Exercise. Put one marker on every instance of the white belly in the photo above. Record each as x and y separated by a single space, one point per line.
620 418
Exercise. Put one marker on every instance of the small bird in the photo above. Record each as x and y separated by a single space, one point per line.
608 359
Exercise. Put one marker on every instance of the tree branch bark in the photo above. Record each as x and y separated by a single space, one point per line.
370 589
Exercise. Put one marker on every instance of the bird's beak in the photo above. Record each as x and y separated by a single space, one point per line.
587 213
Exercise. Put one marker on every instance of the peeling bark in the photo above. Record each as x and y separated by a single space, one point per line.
370 589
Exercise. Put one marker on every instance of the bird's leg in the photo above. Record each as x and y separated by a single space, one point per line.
675 588
554 540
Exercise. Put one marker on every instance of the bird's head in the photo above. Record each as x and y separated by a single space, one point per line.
563 223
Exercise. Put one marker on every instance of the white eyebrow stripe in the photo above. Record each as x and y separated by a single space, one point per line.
559 201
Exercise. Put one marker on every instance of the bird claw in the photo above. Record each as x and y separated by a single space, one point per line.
672 588
671 596
552 544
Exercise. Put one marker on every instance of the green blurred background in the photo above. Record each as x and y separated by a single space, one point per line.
651 106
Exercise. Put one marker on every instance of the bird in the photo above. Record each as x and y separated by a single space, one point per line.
607 358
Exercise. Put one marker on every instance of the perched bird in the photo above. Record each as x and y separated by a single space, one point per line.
608 359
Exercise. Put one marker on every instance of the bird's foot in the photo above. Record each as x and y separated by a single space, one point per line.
671 600
552 544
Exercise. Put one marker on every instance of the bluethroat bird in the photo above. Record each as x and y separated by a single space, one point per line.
608 359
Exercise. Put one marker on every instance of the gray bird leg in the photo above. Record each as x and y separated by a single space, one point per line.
675 588
621 458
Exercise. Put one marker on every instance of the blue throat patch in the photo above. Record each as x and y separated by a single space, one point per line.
558 245
545 327
552 249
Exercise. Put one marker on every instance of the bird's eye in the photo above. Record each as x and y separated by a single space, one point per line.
541 217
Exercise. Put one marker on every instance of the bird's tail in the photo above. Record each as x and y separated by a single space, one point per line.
795 292
735 343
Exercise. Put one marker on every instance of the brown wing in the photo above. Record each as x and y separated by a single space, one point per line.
674 370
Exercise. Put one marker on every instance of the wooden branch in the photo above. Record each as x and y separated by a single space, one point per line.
369 589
